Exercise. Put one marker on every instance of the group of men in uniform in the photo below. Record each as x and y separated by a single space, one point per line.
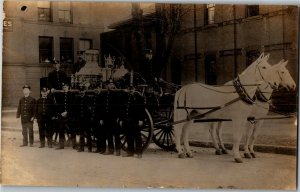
101 114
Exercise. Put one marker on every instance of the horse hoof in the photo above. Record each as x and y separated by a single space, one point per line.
189 155
181 155
253 155
218 152
238 160
224 151
247 155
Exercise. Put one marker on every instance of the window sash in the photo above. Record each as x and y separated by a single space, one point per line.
210 14
44 14
64 16
252 10
66 50
85 44
45 49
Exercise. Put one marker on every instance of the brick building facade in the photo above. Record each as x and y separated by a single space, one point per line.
216 42
38 31
230 37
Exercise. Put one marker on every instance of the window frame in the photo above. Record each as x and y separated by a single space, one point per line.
50 13
209 8
43 50
64 11
248 10
62 52
82 39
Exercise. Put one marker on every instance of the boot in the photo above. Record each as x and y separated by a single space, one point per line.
42 145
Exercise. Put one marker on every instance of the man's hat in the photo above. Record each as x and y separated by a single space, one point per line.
65 84
26 86
44 89
148 51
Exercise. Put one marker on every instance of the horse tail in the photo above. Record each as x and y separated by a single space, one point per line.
178 109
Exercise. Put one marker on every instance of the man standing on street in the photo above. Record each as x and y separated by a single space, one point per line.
108 117
56 77
44 114
132 115
82 115
64 103
26 110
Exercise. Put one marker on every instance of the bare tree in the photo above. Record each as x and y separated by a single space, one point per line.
168 19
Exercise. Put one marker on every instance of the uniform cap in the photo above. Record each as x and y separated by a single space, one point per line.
44 89
147 51
64 84
26 86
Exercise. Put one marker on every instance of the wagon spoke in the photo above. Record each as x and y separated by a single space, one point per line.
158 132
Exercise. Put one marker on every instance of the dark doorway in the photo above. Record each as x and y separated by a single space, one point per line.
210 69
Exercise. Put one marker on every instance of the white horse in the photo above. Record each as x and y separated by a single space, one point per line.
220 102
261 106
264 92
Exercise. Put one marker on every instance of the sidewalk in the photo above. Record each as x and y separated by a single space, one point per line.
275 136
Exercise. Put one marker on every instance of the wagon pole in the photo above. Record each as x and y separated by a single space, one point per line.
208 112
252 119
90 91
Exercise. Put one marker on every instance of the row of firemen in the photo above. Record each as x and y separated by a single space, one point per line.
101 114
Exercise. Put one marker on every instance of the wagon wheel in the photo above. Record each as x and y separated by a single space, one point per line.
146 132
163 132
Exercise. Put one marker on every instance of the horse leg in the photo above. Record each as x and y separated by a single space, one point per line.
186 131
219 134
254 136
237 136
212 131
178 134
249 128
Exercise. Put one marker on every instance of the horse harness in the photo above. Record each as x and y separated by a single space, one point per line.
240 90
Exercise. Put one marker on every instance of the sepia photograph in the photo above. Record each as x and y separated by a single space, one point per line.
149 95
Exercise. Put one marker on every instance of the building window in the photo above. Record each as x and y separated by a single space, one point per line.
84 44
209 14
44 11
252 10
64 12
66 50
45 49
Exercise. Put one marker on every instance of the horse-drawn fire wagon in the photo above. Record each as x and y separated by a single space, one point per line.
171 108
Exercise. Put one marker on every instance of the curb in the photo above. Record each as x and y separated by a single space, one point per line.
15 130
285 150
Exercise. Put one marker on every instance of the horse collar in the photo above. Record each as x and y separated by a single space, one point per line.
260 96
242 92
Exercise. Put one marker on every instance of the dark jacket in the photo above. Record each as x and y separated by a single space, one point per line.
26 109
108 104
95 107
64 102
80 108
133 106
56 78
44 108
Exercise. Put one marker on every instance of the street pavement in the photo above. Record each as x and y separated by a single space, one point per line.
33 166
